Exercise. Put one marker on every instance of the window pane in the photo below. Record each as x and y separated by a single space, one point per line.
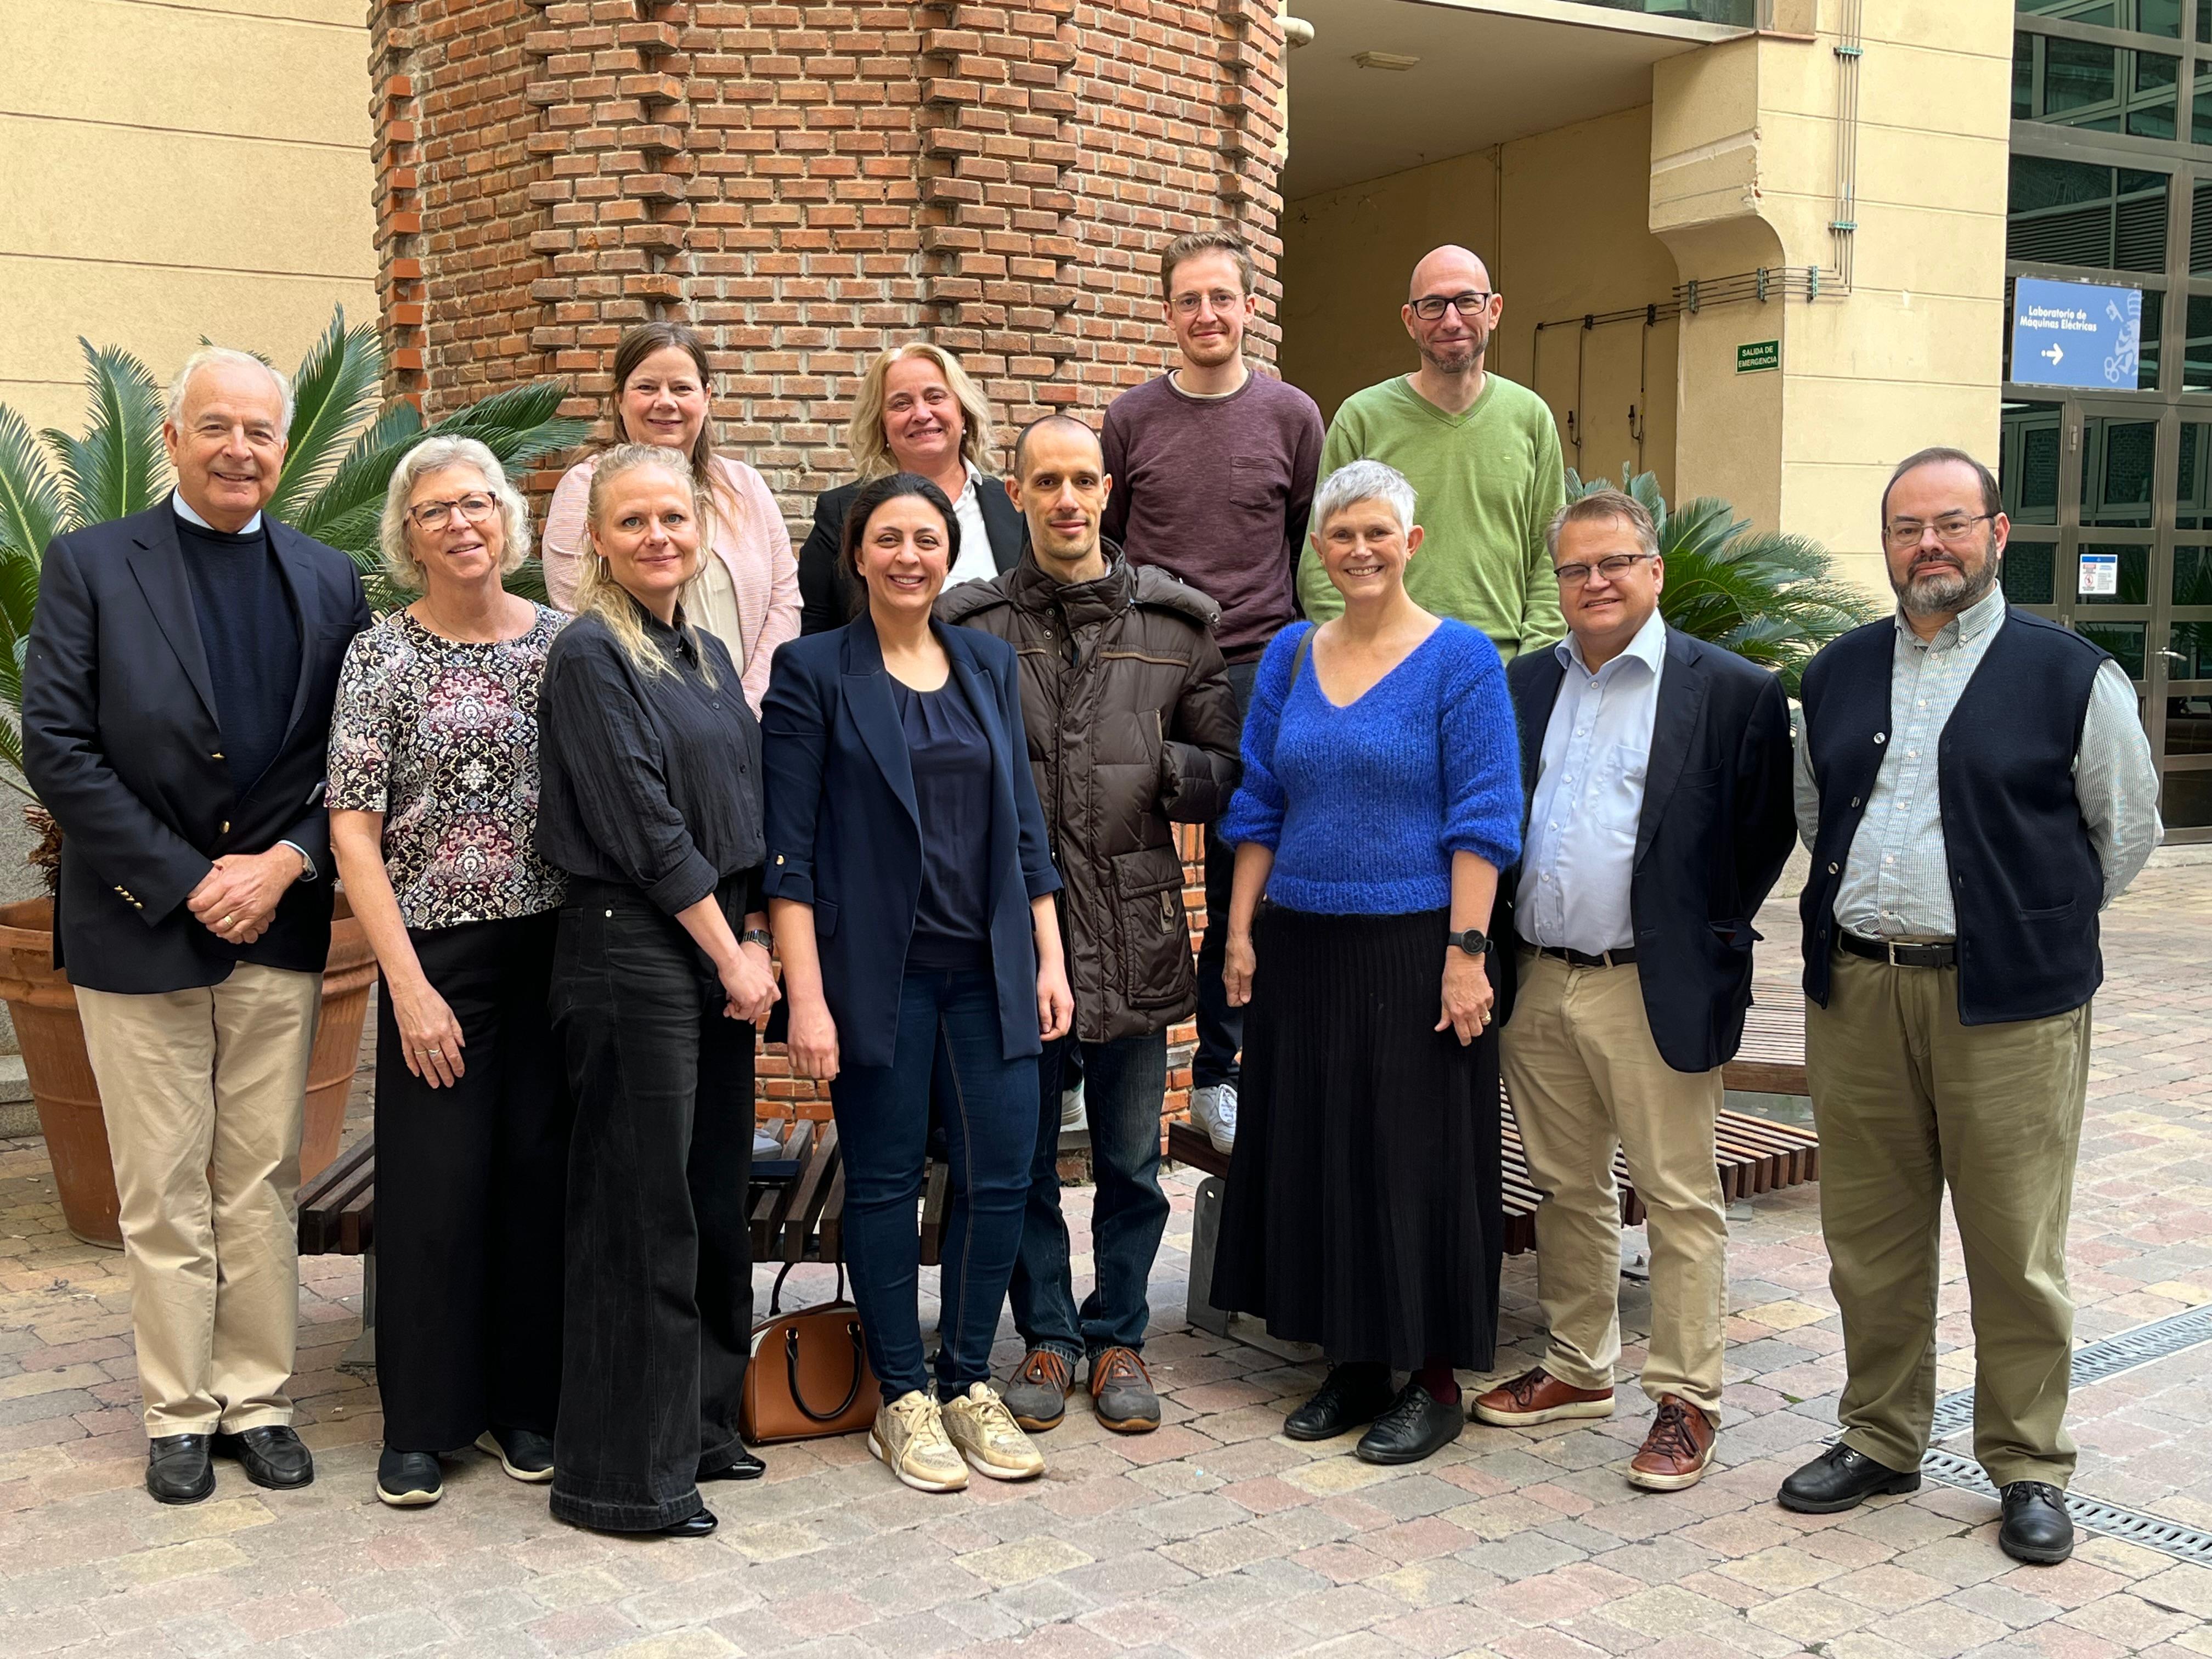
2134 574
2124 639
2078 213
2196 356
2189 727
2150 105
2150 17
2193 498
2117 460
2027 464
2027 571
2192 568
2188 803
2191 644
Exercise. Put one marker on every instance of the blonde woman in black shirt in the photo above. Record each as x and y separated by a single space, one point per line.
651 802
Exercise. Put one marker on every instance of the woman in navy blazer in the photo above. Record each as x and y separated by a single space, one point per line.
909 888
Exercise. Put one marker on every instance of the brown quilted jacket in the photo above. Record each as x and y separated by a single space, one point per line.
1131 725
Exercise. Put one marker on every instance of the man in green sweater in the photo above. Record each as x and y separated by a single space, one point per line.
1482 454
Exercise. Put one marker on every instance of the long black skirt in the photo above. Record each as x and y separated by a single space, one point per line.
1363 1211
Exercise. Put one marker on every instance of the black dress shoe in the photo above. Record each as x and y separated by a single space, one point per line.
1416 1426
736 1464
1842 1479
525 1454
692 1526
2037 1529
177 1468
1348 1397
272 1456
408 1480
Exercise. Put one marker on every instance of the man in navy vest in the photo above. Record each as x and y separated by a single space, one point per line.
1975 786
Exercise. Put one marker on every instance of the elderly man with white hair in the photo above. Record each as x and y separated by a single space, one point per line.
176 709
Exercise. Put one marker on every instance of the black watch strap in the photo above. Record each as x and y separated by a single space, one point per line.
1473 941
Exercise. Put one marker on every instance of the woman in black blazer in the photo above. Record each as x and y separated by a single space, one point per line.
910 886
916 411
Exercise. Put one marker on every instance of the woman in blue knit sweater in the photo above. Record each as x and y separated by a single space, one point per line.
1381 797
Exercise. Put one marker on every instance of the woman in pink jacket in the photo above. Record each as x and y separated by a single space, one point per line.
747 595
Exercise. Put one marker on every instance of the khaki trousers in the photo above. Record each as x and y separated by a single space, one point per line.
1584 1076
203 1090
1908 1101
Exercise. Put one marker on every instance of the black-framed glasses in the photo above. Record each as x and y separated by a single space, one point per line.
1431 306
435 515
1953 527
1612 569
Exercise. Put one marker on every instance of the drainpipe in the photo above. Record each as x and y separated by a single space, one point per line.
1843 226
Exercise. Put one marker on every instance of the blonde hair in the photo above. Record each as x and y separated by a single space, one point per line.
864 437
435 455
599 594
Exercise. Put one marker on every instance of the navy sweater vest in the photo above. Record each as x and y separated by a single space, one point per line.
2025 882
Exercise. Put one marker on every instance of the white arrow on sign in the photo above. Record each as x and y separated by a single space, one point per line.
2055 355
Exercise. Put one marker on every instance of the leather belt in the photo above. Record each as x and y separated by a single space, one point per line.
1900 953
1620 958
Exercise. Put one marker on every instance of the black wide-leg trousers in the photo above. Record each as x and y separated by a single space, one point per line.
471 1190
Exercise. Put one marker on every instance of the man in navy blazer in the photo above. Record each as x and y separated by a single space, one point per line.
1656 770
177 696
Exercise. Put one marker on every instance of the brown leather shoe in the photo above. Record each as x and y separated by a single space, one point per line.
1679 1450
1538 1396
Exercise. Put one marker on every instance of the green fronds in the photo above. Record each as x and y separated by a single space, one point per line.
119 466
337 386
30 509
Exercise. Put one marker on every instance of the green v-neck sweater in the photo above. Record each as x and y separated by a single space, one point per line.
1488 483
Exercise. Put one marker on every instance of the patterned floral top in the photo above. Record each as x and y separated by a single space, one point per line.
442 737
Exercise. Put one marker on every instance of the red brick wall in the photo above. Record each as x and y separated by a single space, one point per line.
807 183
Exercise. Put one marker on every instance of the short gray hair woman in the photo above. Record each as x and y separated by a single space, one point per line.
434 811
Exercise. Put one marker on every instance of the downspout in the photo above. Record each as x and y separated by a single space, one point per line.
1843 226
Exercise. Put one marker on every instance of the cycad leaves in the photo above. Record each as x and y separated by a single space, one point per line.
117 468
31 509
338 383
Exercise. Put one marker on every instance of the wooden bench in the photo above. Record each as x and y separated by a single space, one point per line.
803 1220
1771 1060
338 1217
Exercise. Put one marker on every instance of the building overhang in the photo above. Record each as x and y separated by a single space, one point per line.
1486 72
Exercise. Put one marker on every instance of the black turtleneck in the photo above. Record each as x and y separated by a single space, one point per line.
252 641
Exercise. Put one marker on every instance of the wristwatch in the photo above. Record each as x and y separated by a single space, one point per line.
759 936
1473 941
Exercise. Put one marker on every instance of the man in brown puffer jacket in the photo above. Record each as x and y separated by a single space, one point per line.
1131 726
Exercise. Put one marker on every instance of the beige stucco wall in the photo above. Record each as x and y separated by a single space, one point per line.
1560 217
175 170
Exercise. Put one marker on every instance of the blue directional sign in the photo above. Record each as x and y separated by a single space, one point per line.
2077 334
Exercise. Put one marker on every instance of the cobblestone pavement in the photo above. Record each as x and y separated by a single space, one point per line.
1214 1535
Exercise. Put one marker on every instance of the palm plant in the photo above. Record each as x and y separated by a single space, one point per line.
343 444
1767 596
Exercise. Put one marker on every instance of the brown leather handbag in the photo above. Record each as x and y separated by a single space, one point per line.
810 1375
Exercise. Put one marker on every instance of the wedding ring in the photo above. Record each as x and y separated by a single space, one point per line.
226 919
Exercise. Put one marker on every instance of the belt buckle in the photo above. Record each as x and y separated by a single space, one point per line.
1890 945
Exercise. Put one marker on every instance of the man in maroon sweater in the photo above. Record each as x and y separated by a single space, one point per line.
1213 471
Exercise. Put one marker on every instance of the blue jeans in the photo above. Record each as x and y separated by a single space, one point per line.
948 1027
1123 1083
1220 1027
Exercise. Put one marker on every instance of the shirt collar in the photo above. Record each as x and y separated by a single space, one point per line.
183 511
1974 621
975 483
1648 647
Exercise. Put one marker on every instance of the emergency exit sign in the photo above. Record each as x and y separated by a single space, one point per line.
1760 354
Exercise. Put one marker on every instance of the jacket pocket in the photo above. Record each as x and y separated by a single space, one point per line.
825 919
1155 964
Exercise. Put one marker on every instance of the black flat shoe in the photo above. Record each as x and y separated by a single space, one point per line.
408 1480
1842 1479
737 1464
2037 1529
523 1453
1349 1397
692 1526
1416 1426
274 1457
177 1468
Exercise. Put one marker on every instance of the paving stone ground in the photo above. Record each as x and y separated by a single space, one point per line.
1215 1535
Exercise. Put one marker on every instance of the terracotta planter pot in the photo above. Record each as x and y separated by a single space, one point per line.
44 1009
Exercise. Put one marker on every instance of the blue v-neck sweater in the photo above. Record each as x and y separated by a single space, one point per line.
1364 806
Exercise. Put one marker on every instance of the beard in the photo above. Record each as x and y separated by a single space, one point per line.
1457 356
1945 590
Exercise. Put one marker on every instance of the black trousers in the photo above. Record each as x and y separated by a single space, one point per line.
470 1182
659 1281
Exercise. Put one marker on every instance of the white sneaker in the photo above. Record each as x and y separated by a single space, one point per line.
984 1433
909 1436
1214 1109
1071 1108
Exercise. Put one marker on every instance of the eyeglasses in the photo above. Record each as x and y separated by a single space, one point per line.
1431 307
1613 569
1186 305
435 515
1953 527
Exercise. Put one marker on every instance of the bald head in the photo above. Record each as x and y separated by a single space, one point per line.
1448 270
1065 427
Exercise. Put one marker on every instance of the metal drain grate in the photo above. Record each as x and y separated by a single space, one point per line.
2151 1531
2095 1361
